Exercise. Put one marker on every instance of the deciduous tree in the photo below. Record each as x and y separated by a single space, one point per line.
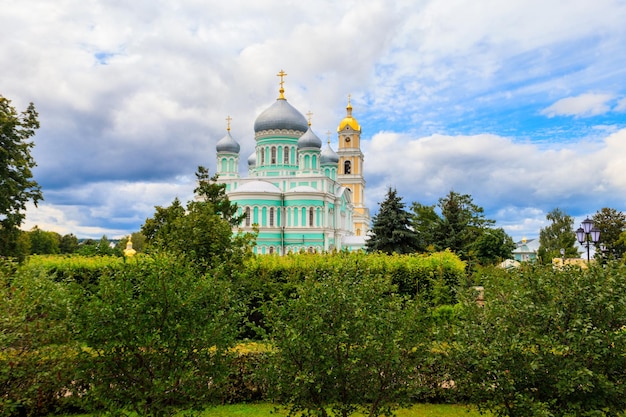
17 186
611 223
559 234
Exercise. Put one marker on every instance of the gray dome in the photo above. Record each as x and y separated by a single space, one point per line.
252 159
328 156
280 115
309 140
227 144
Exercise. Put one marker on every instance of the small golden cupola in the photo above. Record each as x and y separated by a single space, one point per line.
349 120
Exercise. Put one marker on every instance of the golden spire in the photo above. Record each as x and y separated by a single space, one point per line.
228 119
328 137
309 114
282 74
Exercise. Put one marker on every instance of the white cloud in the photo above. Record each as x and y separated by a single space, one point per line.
584 105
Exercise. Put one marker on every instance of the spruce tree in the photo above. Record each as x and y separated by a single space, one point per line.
391 232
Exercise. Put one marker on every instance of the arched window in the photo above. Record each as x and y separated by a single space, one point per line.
286 155
273 153
271 251
311 249
311 216
262 156
347 168
271 216
247 216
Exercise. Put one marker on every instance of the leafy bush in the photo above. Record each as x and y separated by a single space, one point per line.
344 341
547 342
37 352
158 336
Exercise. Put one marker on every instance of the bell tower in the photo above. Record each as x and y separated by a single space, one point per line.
350 169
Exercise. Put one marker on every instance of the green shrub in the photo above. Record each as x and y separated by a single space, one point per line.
37 352
158 335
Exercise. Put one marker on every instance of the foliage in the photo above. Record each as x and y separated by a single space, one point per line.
493 246
44 243
37 351
546 343
611 224
460 226
424 220
138 240
17 186
157 336
68 243
201 232
210 190
559 234
345 341
390 231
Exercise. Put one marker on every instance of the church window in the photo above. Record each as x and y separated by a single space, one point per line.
262 156
271 216
273 160
311 249
271 250
311 216
247 216
347 167
286 156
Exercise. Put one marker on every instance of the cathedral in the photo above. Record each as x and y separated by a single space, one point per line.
299 196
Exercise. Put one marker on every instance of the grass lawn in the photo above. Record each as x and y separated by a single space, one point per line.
267 410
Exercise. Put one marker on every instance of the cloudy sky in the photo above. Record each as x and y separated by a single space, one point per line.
521 104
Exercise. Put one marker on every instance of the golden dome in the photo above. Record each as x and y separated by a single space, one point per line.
349 120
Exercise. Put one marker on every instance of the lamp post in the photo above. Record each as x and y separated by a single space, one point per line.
588 234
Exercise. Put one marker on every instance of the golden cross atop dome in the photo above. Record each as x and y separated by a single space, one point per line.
228 119
328 137
282 75
309 114
349 104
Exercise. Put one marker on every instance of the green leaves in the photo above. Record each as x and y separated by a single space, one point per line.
549 340
156 332
17 186
342 342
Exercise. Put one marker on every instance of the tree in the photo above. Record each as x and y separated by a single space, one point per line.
559 234
42 242
548 342
611 224
391 231
493 246
202 231
17 186
424 220
462 222
158 336
344 342
462 228
69 243
210 190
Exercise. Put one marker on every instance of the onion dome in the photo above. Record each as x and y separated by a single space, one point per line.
328 156
280 115
227 144
349 120
309 140
252 160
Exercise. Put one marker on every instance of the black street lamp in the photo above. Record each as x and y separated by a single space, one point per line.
588 234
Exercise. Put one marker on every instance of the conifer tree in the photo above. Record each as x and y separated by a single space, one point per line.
391 232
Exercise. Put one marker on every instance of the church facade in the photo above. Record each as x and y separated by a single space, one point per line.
299 196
